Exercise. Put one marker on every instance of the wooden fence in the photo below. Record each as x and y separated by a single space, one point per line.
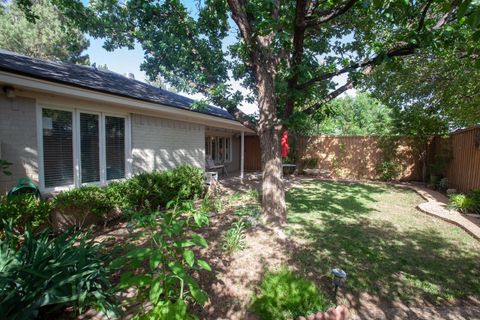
463 168
357 157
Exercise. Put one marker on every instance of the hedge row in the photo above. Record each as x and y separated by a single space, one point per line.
150 191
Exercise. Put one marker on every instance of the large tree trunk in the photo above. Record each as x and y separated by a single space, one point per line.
273 192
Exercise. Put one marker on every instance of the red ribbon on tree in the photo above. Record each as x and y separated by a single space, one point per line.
284 144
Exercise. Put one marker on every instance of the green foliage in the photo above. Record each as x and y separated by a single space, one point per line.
284 295
50 38
309 163
41 272
25 210
83 200
388 170
161 269
234 239
358 115
466 203
155 189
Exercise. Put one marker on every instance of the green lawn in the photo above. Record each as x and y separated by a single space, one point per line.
388 248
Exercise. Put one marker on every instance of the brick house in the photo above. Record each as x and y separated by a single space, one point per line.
66 125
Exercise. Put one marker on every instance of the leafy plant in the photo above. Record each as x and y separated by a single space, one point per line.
309 163
161 269
87 199
284 295
443 184
461 202
388 170
42 272
25 210
234 238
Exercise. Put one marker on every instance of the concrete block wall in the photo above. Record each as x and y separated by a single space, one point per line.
162 144
18 140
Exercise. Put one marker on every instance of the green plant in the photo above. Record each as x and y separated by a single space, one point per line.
187 182
84 200
309 163
234 238
388 170
25 209
475 196
41 272
461 202
253 194
284 295
161 269
443 184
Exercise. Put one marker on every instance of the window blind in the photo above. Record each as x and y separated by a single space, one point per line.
115 147
57 147
89 147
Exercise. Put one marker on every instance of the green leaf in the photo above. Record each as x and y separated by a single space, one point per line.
198 294
199 240
177 268
189 257
155 259
204 265
156 290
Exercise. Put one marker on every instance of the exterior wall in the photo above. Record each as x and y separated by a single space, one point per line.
18 140
234 165
162 144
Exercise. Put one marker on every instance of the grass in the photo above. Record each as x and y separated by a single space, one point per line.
388 248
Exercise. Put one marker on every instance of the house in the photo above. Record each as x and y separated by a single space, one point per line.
67 125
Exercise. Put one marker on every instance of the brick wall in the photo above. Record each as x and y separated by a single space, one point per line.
18 142
164 144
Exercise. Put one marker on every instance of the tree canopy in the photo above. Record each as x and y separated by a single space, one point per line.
49 38
287 54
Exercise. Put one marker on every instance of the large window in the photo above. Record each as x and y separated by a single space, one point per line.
57 147
219 148
82 147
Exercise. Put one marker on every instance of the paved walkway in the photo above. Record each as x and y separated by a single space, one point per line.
437 206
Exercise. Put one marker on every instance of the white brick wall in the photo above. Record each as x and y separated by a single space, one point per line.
18 142
163 144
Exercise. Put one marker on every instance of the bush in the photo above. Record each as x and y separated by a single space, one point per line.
284 295
461 202
161 270
388 170
25 210
40 273
84 200
466 203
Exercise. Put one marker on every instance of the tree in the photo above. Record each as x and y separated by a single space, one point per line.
287 53
358 115
437 89
49 38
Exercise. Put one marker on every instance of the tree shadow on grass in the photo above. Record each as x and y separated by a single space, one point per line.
331 224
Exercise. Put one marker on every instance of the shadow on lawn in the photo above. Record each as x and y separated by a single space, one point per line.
331 221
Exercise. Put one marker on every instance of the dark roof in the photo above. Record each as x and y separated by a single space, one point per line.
98 80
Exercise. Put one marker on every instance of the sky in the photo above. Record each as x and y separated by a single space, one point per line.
125 61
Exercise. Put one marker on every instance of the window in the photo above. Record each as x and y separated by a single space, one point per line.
82 147
115 147
57 147
89 148
219 148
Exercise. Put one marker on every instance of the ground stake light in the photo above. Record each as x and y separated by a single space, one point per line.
339 278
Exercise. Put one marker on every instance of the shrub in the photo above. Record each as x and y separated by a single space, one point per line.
475 196
84 200
43 272
461 202
187 182
25 209
388 170
284 295
234 238
161 270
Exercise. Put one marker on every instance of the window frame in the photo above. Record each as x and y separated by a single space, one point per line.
215 140
76 145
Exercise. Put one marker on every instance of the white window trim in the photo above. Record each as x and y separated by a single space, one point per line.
215 141
76 145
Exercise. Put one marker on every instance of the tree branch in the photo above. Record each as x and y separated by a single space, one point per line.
332 95
328 15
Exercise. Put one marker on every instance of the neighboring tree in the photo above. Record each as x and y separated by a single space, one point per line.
436 89
50 38
287 53
357 115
